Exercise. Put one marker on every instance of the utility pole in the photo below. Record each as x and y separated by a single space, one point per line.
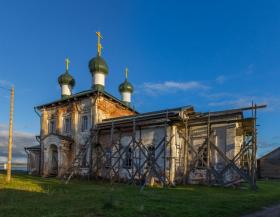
9 163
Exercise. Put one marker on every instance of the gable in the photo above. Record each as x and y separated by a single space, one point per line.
273 155
108 108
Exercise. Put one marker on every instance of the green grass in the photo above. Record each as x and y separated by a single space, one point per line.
35 196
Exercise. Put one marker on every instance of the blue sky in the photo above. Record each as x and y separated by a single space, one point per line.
213 55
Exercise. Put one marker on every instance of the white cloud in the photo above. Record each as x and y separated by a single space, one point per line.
241 100
20 140
213 96
221 79
173 86
233 103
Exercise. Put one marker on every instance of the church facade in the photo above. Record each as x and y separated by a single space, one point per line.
95 134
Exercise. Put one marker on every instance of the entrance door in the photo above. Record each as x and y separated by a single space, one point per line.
53 160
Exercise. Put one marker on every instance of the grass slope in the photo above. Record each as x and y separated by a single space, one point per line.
35 196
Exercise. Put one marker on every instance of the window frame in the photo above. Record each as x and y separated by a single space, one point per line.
84 123
108 158
127 163
52 126
67 127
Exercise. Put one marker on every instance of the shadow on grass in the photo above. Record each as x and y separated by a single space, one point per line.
36 196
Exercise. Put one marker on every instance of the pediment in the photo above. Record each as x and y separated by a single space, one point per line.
56 138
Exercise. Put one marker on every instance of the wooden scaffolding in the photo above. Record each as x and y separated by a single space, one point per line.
142 161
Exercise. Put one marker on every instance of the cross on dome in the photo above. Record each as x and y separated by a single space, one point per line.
99 46
126 72
67 62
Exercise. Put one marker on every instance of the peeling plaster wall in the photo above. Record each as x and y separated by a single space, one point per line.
64 155
96 111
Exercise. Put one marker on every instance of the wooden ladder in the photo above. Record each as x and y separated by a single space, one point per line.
77 162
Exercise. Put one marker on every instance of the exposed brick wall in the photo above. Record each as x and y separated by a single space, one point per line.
109 109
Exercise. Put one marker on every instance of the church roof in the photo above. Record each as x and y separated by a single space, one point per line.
159 117
84 94
35 147
154 118
269 153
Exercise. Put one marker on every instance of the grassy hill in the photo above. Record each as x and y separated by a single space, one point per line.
35 196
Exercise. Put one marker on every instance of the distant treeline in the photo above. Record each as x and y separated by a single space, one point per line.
1 164
15 166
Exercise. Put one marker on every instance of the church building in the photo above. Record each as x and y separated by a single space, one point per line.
96 135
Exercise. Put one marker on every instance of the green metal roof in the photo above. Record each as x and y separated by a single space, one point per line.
81 95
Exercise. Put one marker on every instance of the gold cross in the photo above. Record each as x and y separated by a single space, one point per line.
126 72
99 46
67 61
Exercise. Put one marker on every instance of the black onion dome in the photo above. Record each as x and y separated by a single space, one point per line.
98 64
126 87
67 79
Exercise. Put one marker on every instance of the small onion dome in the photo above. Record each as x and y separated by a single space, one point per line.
67 79
98 64
126 87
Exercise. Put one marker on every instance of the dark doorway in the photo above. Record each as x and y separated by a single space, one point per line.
53 160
